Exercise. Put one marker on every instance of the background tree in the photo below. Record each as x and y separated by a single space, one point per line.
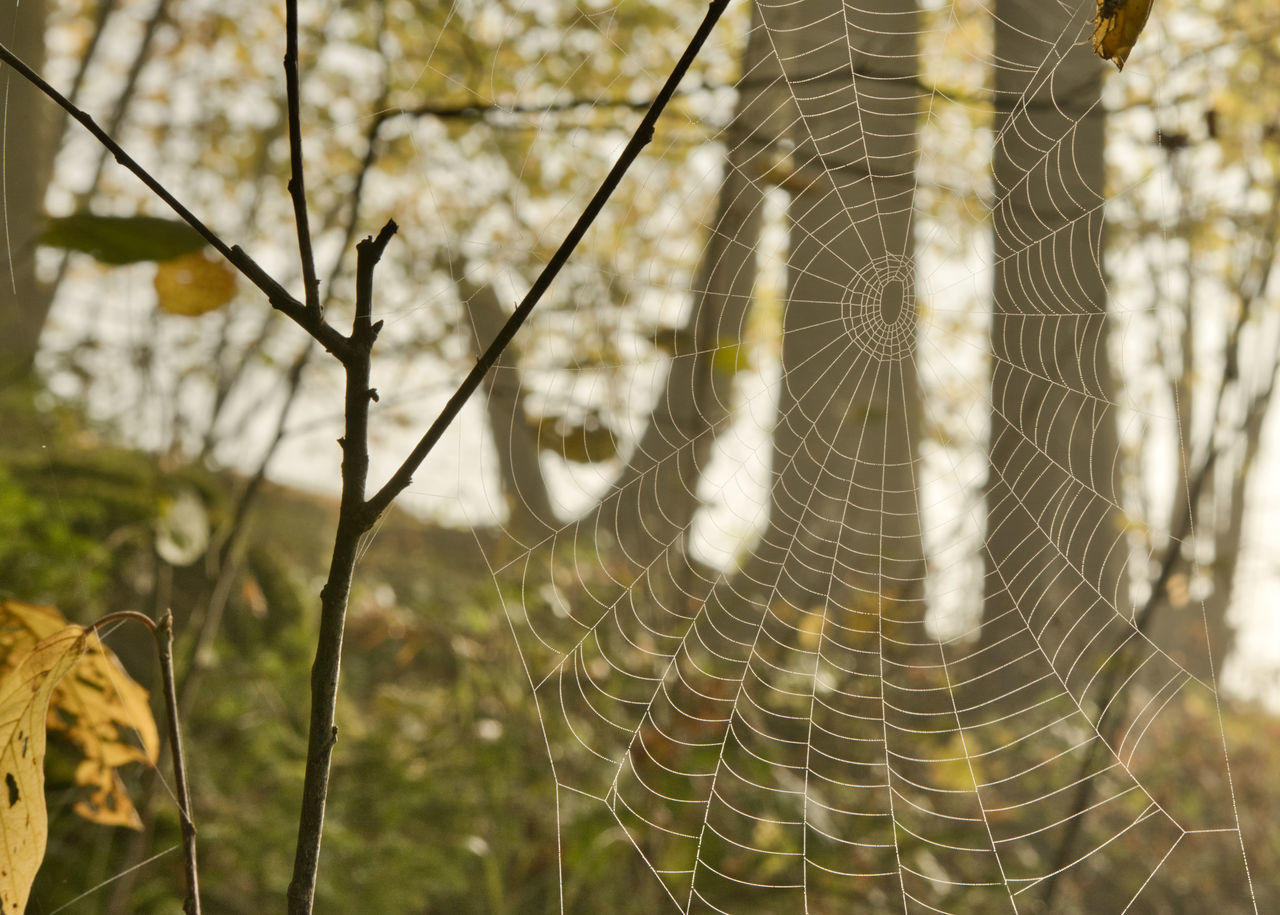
24 301
1055 550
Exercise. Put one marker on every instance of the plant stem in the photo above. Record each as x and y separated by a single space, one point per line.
164 645
163 634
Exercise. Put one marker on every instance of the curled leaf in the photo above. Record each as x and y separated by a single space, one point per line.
107 716
1117 27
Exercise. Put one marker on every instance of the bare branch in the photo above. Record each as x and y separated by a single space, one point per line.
643 134
354 520
276 294
297 184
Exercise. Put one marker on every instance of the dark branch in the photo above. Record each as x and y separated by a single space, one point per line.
368 253
297 184
474 111
354 520
643 134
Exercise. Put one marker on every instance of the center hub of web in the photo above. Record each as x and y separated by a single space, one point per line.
879 307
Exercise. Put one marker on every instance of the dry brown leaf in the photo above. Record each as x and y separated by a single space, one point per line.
1117 27
98 708
25 690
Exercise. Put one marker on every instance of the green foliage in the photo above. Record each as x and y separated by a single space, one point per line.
442 797
41 555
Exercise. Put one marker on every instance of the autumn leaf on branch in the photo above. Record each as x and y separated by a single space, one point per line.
194 284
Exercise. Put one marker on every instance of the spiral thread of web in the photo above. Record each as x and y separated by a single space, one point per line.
789 733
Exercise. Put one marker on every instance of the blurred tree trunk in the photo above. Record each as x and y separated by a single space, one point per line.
1199 634
656 496
834 586
1055 548
529 509
844 517
28 124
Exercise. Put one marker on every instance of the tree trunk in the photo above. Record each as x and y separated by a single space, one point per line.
28 134
655 499
835 580
1055 548
524 488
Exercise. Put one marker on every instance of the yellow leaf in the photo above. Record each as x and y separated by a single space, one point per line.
1117 27
25 690
194 284
98 708
22 626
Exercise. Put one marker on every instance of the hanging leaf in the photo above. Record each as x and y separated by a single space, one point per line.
99 709
25 691
1117 27
194 284
118 240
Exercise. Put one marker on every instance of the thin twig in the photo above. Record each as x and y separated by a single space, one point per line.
297 185
641 138
164 645
163 634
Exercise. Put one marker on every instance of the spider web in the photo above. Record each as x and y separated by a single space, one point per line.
847 620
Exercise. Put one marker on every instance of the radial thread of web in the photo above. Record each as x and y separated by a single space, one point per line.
791 729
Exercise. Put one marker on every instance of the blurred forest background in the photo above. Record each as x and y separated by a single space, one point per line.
169 439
